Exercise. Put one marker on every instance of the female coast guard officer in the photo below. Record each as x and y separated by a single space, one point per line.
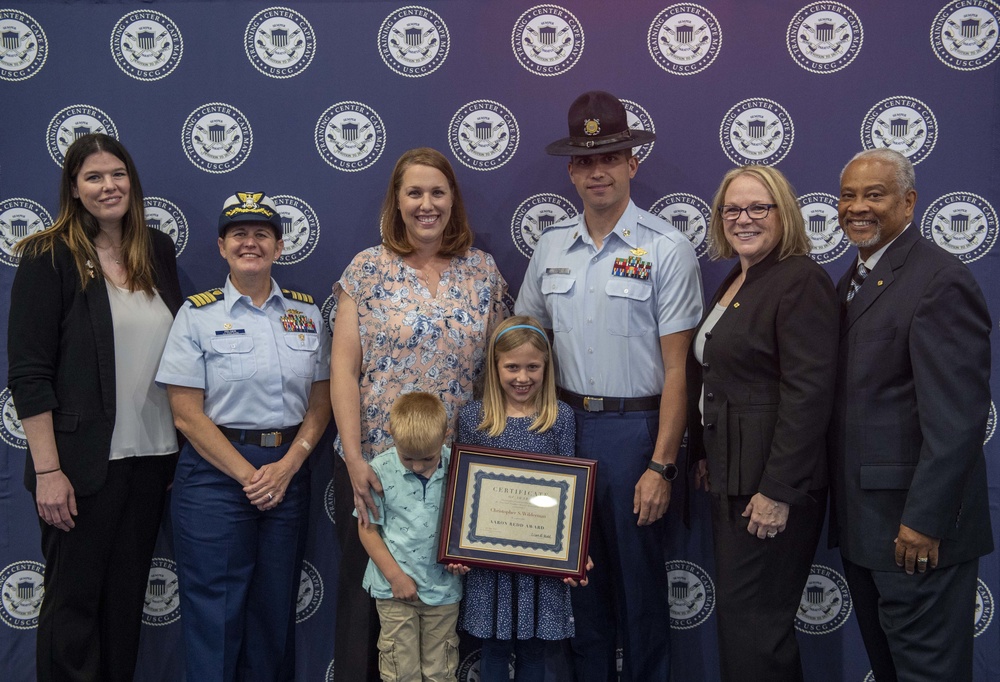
247 371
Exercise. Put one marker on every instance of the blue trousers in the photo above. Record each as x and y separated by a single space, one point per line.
529 662
627 597
238 570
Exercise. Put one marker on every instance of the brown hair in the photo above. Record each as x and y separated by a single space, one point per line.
76 227
418 423
457 237
494 413
794 240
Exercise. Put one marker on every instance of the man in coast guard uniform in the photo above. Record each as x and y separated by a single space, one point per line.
247 370
620 289
910 506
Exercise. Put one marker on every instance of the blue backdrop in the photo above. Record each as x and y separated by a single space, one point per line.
312 102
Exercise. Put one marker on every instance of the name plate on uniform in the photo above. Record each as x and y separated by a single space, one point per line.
517 511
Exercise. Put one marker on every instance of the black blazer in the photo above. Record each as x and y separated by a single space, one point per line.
61 356
768 375
912 402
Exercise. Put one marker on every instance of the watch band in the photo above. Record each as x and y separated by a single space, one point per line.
668 471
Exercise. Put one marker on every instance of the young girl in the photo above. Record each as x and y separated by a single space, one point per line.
516 612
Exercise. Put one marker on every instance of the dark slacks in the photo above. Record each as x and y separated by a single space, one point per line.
355 646
96 576
916 628
238 570
759 588
627 594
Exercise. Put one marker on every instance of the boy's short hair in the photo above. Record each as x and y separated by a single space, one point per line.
418 423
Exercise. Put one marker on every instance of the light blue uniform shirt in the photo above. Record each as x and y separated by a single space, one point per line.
607 326
256 365
410 521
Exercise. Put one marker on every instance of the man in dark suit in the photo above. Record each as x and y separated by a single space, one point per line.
910 508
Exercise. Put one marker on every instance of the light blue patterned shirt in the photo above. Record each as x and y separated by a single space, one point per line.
409 519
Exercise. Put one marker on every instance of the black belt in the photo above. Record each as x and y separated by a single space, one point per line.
266 439
604 404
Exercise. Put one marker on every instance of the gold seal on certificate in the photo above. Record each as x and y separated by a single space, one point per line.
517 511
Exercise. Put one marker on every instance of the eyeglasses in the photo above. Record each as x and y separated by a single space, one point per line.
754 211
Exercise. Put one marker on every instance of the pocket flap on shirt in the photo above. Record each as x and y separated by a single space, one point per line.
301 341
628 287
233 343
887 476
557 284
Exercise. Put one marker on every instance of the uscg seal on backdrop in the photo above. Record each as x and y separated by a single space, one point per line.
961 223
756 131
279 42
483 135
964 34
146 45
547 40
824 37
691 594
22 585
299 226
11 430
329 496
310 594
825 603
165 216
687 213
23 45
901 123
217 137
74 122
536 213
984 607
991 423
329 311
684 39
870 677
413 41
350 136
19 217
827 241
639 119
468 668
163 600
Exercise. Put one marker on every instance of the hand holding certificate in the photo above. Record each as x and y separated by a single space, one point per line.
517 511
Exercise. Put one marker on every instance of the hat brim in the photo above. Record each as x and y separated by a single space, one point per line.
576 146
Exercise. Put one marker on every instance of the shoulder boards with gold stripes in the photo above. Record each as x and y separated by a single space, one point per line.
206 297
297 296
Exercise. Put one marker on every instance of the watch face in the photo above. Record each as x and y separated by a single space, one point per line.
670 471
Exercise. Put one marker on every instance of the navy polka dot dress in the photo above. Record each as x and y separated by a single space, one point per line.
507 605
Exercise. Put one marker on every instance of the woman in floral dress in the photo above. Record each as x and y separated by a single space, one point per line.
413 314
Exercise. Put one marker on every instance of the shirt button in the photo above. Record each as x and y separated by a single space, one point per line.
625 290
591 382
710 426
708 335
590 350
705 365
709 396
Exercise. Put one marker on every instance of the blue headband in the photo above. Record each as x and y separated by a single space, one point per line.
520 326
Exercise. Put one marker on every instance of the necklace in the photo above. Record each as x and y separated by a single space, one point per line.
108 249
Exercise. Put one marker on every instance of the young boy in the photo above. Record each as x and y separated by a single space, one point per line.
416 597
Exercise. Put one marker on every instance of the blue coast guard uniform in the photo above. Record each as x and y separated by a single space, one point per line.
607 309
238 565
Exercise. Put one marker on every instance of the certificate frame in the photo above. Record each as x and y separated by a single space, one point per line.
517 511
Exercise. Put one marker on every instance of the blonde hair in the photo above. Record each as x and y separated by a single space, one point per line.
418 423
794 240
494 412
76 227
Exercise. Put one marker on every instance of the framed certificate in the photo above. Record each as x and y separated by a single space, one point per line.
517 511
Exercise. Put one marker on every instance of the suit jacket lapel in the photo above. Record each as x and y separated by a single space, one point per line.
99 306
880 278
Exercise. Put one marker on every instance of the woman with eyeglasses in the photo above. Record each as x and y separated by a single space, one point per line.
760 383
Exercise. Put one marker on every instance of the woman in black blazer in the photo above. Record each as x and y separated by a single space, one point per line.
90 309
760 383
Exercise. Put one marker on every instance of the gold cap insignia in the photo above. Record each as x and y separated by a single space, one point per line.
592 126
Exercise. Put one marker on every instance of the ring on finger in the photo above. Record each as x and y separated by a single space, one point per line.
772 533
922 560
270 496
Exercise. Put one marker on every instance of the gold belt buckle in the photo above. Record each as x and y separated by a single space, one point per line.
593 404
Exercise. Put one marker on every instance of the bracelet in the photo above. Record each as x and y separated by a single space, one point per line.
48 471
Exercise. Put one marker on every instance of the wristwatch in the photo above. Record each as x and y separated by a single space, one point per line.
668 470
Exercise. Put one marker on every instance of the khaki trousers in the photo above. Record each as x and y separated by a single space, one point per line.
418 642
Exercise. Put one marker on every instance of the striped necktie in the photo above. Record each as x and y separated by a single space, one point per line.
857 279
